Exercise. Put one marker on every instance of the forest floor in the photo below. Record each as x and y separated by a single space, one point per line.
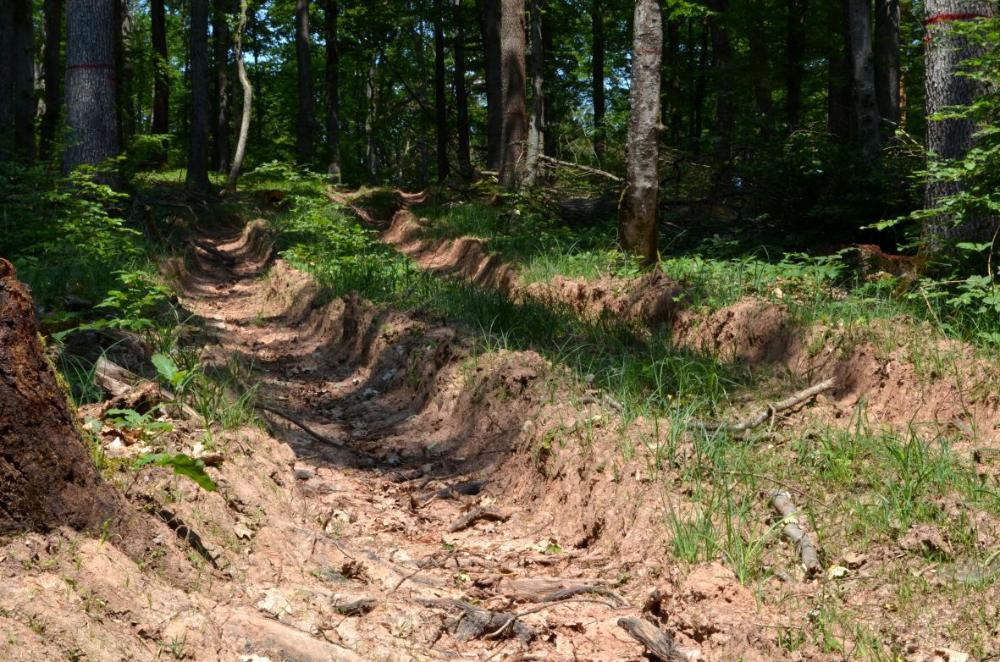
425 484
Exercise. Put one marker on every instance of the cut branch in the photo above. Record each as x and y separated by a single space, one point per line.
781 501
580 167
658 644
769 412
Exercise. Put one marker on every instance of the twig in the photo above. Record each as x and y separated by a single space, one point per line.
587 169
308 430
534 610
771 409
781 501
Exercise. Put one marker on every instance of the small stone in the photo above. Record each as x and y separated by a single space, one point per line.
274 603
854 560
837 572
304 474
242 531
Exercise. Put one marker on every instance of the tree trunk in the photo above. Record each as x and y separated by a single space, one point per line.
698 100
866 116
47 477
887 59
949 139
761 77
123 64
306 122
494 84
536 129
597 48
795 51
725 110
515 106
6 80
332 91
52 74
440 100
161 82
838 96
241 72
638 212
197 173
91 107
371 156
221 39
461 95
23 63
672 92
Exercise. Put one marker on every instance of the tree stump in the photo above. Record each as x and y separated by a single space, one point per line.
47 476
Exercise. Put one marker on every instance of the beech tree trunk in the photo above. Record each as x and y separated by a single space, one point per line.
197 172
161 83
597 48
639 209
47 477
536 128
461 95
440 100
950 139
725 110
515 107
52 75
221 39
332 91
306 120
91 106
887 59
494 83
865 104
838 96
795 52
241 72
24 81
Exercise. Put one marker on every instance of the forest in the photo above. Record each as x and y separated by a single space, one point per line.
499 330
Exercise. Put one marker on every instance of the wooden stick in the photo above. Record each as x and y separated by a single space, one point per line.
781 501
308 430
768 412
587 169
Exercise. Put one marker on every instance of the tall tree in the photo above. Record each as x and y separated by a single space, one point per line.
515 106
638 213
951 138
461 95
536 128
220 43
671 94
866 116
306 119
887 59
6 80
23 63
838 97
91 106
52 75
197 167
494 83
760 71
332 91
725 108
123 79
241 72
161 80
598 45
440 99
795 52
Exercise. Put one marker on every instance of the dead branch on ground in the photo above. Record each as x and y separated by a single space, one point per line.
781 501
770 411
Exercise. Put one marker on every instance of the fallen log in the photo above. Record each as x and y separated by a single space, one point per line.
130 391
781 501
476 514
770 410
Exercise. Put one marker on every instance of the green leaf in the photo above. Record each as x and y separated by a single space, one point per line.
165 366
182 464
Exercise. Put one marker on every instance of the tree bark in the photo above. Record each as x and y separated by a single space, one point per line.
865 104
197 172
161 82
332 91
123 80
221 40
494 83
597 48
725 110
515 107
23 62
52 75
639 209
91 107
461 95
795 50
47 478
241 72
887 59
536 129
371 108
440 99
838 72
949 139
306 120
